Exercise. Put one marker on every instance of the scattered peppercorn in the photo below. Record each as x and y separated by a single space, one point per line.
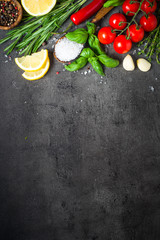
44 43
8 13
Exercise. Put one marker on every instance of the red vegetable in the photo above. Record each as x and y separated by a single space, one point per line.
130 7
136 33
149 23
87 11
122 44
118 21
106 35
149 7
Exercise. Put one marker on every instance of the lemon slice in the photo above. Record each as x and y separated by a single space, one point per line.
38 7
33 62
37 74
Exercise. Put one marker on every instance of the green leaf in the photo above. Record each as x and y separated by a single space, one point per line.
107 61
91 28
79 36
87 53
95 44
96 65
113 3
77 64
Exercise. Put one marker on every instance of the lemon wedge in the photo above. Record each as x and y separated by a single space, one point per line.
38 7
37 74
32 62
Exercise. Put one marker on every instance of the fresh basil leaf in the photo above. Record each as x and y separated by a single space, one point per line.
79 36
96 65
77 64
107 61
113 3
91 28
87 53
95 44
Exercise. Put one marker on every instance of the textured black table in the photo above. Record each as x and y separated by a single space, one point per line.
79 154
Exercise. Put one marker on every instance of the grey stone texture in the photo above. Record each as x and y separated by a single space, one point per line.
79 154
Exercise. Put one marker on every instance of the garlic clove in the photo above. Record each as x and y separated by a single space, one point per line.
143 65
128 63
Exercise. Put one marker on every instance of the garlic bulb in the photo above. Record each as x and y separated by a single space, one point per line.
128 63
143 65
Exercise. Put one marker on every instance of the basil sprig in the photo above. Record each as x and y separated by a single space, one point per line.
94 55
113 3
79 36
87 53
77 64
107 61
91 28
96 65
95 44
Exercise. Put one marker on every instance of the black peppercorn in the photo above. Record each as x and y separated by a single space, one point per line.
8 13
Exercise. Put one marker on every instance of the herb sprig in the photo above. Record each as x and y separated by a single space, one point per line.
35 30
94 55
152 43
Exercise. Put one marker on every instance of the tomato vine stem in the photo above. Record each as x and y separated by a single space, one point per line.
133 18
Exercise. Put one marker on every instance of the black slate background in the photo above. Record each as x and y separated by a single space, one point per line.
79 154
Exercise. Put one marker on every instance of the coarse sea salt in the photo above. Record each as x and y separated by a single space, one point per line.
151 88
66 50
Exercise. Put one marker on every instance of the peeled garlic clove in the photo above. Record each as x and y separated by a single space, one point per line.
143 65
128 63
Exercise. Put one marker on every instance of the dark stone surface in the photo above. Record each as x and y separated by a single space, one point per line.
79 155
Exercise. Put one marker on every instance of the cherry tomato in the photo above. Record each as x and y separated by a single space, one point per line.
149 6
136 33
118 21
122 44
106 35
130 7
148 23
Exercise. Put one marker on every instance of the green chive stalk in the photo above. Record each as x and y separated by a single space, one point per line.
33 31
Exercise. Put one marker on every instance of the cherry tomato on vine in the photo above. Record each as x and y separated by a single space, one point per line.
106 35
136 33
122 44
149 6
148 23
130 7
118 21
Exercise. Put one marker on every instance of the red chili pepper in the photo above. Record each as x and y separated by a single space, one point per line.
87 11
